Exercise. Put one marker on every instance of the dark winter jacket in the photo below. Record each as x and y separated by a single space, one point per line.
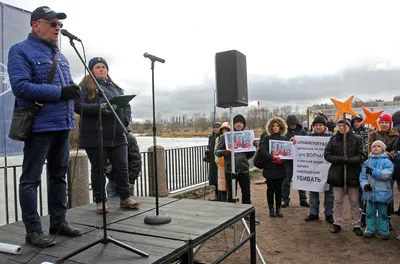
363 133
298 131
113 135
389 138
241 158
134 161
396 126
334 153
272 170
331 126
29 63
210 158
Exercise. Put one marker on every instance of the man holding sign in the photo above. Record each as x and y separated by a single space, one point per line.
344 173
319 126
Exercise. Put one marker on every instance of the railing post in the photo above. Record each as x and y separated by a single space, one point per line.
161 175
78 180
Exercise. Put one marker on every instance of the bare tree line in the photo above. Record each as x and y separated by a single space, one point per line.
255 118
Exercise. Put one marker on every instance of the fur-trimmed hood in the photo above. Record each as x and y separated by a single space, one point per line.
282 124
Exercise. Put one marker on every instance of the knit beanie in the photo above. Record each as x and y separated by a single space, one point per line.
239 118
386 117
96 60
341 121
380 144
319 120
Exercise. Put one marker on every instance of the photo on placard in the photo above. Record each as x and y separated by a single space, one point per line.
243 141
281 149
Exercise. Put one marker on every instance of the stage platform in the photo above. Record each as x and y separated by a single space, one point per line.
193 223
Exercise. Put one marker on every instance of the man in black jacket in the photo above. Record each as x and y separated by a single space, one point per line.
294 129
134 168
209 158
345 183
241 163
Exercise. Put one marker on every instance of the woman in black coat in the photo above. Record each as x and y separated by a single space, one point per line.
114 139
274 171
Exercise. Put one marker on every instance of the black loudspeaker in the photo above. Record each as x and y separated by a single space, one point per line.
231 79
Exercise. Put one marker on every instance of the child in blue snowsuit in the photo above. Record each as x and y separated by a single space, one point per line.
375 180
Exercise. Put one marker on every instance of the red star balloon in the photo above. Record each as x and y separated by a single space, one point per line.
371 117
344 107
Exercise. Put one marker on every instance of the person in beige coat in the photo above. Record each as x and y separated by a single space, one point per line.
222 188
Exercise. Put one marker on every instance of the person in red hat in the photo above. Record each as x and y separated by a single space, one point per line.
387 135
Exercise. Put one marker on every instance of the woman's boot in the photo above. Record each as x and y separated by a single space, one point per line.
272 212
279 212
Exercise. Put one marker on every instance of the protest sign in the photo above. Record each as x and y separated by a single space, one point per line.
243 140
281 149
310 169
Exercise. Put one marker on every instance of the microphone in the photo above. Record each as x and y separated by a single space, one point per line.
153 58
69 35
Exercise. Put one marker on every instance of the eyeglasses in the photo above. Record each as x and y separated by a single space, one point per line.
53 24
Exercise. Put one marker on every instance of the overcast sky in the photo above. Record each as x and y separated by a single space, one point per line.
298 52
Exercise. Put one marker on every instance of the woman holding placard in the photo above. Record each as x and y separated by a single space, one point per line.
275 170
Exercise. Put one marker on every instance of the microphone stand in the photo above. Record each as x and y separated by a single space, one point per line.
106 238
157 219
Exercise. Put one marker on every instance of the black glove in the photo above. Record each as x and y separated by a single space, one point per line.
368 170
345 160
367 187
70 92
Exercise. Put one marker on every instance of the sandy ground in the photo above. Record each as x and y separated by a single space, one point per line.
292 240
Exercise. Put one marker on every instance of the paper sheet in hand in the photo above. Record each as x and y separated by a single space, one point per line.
9 248
122 100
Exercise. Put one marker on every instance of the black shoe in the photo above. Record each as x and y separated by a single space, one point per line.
285 205
368 235
279 212
39 239
358 231
384 237
272 212
335 229
304 204
311 217
65 230
329 219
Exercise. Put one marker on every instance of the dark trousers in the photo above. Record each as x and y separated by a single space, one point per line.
286 186
274 187
119 161
53 146
244 181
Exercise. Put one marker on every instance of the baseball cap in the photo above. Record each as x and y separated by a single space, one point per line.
46 12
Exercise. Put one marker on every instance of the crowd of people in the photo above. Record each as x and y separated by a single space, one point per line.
366 173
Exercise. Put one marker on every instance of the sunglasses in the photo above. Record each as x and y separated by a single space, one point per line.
53 24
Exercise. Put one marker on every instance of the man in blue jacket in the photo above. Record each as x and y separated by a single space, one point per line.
29 64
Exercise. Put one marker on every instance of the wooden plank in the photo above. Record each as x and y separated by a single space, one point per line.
191 221
158 249
87 215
